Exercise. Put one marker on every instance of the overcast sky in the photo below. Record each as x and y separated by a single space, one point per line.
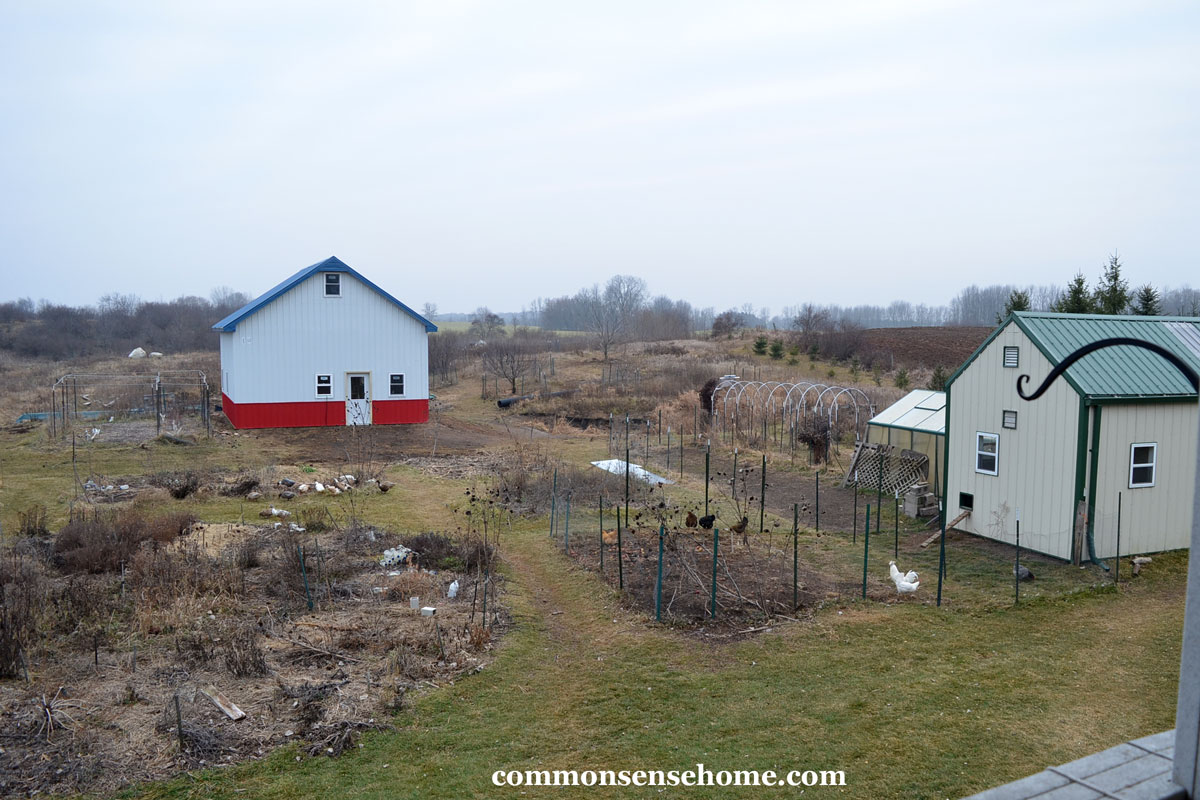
470 153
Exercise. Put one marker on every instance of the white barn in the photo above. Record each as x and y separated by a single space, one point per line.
1120 421
325 347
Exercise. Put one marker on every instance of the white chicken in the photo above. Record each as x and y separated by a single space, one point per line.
906 582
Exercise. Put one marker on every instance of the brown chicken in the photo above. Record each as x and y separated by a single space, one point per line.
691 520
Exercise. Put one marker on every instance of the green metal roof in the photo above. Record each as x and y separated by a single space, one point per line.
1121 373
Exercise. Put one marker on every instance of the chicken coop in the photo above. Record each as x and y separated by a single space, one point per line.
1110 448
324 347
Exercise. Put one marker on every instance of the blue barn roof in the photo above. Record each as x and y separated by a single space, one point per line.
331 264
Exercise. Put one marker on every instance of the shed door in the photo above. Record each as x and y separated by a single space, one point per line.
358 398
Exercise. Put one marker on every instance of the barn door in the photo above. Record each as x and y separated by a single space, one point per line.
358 398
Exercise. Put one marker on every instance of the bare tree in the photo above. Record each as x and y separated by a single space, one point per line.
611 313
429 311
486 325
510 359
810 321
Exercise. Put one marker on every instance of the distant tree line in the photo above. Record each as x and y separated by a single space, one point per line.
114 326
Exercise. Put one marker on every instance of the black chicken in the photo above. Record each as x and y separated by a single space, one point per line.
707 522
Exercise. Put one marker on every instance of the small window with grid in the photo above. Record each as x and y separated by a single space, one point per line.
324 385
333 284
396 384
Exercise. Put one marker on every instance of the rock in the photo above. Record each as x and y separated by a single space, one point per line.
155 354
287 495
137 352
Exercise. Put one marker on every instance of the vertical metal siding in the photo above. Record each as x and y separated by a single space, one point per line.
1036 461
1153 518
276 353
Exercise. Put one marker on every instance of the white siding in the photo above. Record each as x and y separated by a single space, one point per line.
1036 464
276 353
1153 518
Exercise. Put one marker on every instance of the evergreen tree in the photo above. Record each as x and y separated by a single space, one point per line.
937 381
776 349
760 346
1112 293
1077 299
901 380
1017 301
1146 302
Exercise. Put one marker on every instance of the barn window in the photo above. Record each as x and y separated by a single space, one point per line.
396 383
1012 357
324 385
333 284
1010 420
966 500
1143 463
987 446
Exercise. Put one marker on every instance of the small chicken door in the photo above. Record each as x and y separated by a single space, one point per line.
358 398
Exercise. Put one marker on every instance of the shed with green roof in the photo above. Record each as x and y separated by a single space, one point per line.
1121 421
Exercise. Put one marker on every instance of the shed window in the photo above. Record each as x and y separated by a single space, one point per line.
1143 463
1012 356
324 385
987 446
333 284
396 384
1010 419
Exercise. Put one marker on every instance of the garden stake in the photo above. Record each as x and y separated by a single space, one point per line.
626 490
601 534
553 497
620 559
567 528
658 583
879 497
795 556
762 497
681 455
896 546
660 426
817 504
716 544
942 560
866 548
1017 564
485 593
854 527
707 458
304 573
178 722
668 447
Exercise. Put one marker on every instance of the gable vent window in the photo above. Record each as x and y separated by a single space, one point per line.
1010 420
1143 464
333 284
1012 357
